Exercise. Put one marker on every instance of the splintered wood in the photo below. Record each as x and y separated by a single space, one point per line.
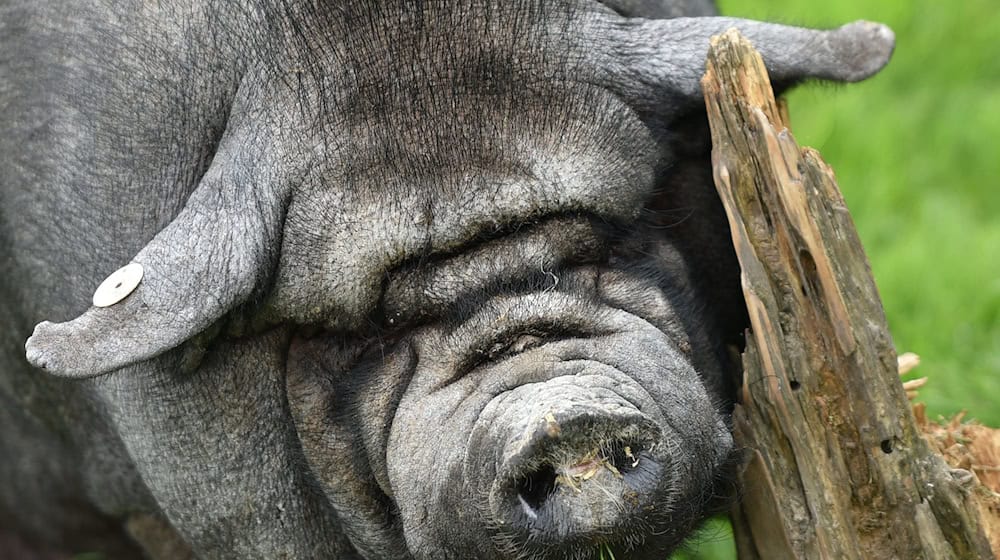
974 448
836 466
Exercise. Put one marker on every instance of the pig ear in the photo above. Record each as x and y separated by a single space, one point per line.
209 259
670 54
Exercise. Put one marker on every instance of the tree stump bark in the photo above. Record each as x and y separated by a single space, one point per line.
836 468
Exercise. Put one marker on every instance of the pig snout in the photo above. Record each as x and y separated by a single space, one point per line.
576 463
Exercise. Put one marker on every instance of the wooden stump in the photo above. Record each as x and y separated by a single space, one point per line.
836 466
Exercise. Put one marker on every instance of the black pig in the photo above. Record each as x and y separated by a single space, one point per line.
410 279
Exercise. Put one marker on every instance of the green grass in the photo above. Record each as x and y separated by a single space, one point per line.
916 150
713 542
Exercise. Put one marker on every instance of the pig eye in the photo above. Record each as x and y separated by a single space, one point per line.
518 344
517 339
514 342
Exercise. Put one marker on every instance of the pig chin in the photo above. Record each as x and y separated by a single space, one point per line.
608 438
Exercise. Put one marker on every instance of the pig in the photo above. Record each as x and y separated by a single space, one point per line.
405 278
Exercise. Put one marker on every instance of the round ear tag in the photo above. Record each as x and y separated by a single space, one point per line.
120 284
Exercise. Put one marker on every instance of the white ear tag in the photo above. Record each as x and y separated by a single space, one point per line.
120 284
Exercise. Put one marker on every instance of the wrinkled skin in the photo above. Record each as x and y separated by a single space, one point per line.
422 279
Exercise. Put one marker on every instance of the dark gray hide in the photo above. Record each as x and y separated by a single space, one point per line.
422 279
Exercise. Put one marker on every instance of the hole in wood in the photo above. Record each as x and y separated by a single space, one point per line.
795 385
886 446
808 264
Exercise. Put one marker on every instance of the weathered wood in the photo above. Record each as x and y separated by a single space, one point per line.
974 448
836 466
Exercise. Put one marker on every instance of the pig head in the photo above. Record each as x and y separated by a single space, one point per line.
420 279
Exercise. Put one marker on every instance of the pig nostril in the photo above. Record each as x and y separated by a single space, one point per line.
624 457
534 489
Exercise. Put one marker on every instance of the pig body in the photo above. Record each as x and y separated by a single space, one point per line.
421 279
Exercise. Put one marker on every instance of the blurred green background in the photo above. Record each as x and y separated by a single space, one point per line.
916 150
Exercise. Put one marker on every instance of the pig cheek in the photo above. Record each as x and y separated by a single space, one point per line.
425 453
342 406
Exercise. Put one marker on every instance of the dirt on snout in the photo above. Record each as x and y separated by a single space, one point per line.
575 475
